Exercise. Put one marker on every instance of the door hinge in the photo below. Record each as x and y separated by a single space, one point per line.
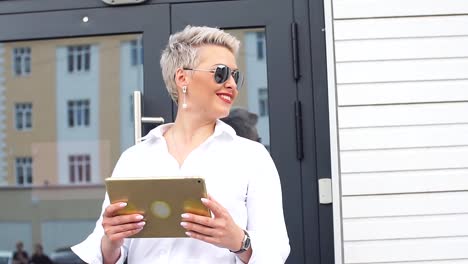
325 191
299 138
295 51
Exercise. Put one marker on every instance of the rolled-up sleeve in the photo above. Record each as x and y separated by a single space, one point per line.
266 226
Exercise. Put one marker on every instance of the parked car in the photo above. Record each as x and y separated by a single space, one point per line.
65 256
6 257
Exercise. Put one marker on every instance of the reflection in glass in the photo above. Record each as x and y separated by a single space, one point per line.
65 118
253 96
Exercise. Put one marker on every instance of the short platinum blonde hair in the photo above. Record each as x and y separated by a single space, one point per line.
182 51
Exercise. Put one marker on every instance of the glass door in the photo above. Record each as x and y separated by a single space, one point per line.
66 114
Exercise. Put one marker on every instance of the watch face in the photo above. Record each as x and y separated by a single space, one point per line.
247 242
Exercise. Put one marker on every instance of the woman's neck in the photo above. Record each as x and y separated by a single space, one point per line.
190 130
186 135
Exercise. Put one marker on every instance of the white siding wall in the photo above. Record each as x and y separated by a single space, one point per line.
402 88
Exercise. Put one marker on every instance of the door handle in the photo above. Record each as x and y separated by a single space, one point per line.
138 119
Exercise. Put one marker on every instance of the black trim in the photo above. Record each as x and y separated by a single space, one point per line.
31 6
299 137
295 51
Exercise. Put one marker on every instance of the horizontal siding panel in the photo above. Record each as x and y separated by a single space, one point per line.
404 159
405 205
403 115
409 27
397 49
400 71
403 137
406 250
450 261
345 9
405 227
404 182
402 92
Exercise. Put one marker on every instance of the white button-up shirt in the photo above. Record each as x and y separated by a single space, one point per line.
239 174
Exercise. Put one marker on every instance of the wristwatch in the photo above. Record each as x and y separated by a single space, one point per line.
245 244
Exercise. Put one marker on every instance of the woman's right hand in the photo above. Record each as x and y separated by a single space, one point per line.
117 227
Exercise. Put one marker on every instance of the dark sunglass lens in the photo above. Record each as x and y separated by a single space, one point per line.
235 75
221 74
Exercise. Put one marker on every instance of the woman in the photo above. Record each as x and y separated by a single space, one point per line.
200 72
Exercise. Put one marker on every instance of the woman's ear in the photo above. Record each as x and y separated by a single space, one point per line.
181 77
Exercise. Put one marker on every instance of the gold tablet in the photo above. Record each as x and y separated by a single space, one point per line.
160 200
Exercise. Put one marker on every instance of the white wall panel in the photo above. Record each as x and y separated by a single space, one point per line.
403 92
405 205
401 70
398 49
405 227
403 137
406 250
403 115
404 182
377 8
407 27
404 159
449 261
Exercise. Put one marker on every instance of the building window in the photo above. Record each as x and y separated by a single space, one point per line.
23 116
79 168
78 113
263 102
79 58
22 61
136 52
23 170
260 45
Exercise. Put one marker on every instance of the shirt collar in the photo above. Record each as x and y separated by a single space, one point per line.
221 128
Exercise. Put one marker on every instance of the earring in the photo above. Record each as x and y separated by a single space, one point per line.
184 91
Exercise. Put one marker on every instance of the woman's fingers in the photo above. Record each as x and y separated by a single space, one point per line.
117 227
201 229
112 209
123 231
220 231
217 209
121 219
199 219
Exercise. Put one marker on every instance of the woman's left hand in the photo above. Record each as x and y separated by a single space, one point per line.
220 231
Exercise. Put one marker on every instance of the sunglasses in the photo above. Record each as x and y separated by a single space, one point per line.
222 73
